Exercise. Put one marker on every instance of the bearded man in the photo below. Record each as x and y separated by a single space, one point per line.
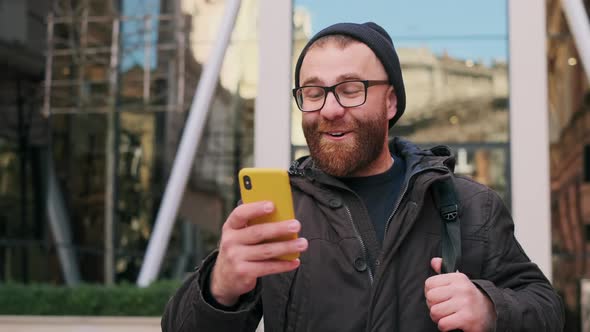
370 231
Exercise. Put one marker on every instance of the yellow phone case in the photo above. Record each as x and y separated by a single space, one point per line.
269 184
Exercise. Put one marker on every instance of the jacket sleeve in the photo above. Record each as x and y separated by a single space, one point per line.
188 309
523 297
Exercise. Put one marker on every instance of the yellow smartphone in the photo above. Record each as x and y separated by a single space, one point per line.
269 184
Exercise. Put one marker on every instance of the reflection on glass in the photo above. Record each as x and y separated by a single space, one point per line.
453 58
127 70
569 136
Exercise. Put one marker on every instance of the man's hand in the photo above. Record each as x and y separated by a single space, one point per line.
243 257
456 303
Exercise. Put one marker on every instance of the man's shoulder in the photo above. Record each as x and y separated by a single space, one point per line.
467 188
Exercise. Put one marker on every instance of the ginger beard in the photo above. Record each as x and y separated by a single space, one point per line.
344 158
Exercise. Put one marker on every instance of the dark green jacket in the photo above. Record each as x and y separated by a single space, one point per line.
348 282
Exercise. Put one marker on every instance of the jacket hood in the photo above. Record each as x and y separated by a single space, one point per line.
417 158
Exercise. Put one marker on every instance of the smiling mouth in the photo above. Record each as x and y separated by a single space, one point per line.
336 134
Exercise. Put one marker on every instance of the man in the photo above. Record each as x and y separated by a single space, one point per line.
370 231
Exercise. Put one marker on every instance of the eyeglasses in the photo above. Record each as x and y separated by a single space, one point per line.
311 98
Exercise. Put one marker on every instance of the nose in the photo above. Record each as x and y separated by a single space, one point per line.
332 109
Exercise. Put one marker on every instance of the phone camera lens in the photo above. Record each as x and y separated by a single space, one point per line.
247 182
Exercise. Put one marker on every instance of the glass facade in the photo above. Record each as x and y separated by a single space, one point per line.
569 134
92 134
454 63
24 240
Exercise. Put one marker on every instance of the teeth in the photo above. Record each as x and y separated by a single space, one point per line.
336 134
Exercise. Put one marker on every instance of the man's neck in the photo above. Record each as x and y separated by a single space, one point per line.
378 166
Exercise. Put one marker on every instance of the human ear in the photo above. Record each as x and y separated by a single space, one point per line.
391 103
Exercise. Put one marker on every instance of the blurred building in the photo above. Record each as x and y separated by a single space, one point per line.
24 136
96 142
461 103
569 114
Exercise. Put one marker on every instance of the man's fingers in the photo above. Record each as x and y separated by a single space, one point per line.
436 264
263 232
240 216
450 323
441 310
439 281
438 295
266 251
274 266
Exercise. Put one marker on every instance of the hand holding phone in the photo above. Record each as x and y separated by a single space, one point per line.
258 238
269 184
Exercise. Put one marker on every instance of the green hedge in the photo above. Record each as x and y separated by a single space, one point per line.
86 300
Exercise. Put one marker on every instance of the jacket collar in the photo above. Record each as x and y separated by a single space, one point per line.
417 160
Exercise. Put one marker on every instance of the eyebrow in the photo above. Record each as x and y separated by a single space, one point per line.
340 78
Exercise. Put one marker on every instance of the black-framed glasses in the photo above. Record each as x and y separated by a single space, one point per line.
353 93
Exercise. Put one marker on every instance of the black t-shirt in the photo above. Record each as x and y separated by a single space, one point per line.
380 193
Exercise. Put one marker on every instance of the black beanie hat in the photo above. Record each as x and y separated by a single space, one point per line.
379 41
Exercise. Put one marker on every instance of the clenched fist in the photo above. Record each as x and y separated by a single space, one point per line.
456 303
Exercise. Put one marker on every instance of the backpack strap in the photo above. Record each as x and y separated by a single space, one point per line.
448 207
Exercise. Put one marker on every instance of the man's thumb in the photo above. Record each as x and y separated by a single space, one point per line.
436 264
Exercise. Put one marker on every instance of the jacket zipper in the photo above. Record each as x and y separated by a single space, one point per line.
401 197
360 238
399 200
295 170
